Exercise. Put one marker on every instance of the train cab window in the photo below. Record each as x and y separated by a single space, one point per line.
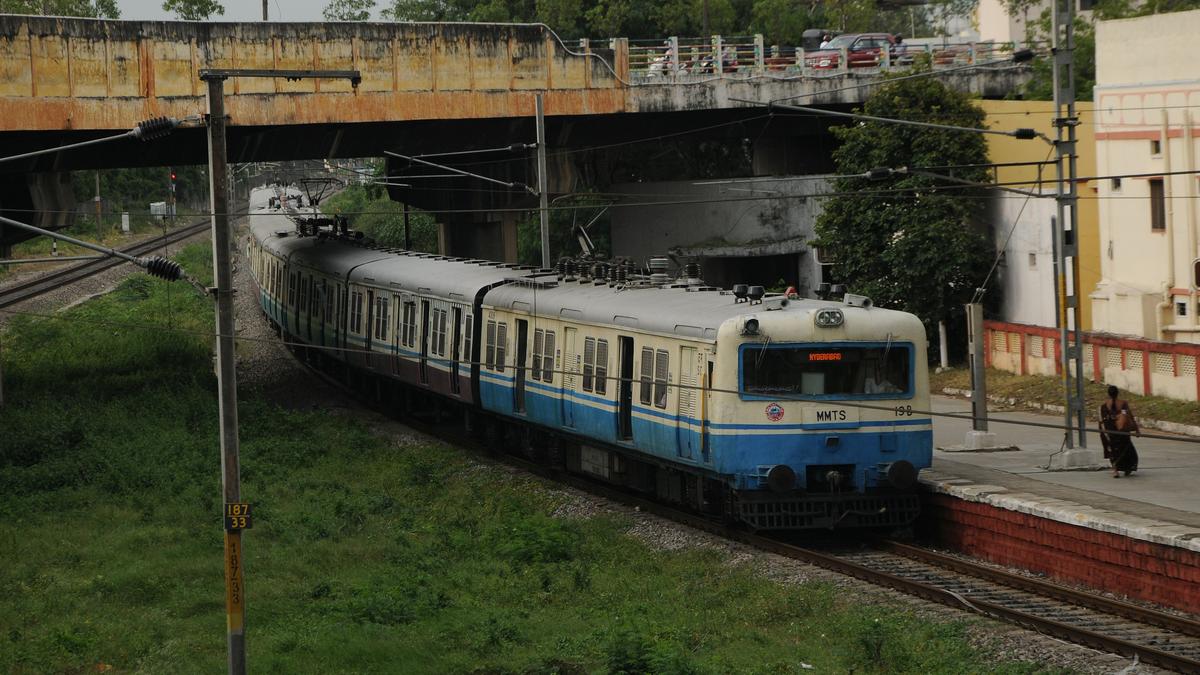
661 364
381 318
439 332
408 331
647 378
356 308
836 371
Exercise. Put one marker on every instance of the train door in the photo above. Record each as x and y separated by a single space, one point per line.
687 431
522 355
367 328
455 339
570 363
625 390
424 342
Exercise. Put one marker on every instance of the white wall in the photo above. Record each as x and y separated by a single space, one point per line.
1147 108
1027 275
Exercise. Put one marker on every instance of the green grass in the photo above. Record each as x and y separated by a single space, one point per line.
366 555
85 229
1049 390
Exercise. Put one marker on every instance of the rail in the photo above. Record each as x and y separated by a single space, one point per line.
683 59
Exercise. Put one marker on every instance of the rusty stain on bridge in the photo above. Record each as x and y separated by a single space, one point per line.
61 74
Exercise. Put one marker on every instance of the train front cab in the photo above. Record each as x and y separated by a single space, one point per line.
821 432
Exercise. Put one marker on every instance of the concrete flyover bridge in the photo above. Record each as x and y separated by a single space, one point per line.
425 87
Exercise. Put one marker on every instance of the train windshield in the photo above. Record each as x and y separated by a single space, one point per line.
828 371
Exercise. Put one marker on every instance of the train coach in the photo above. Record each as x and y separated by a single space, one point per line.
780 413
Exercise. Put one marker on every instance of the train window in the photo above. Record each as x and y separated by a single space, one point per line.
315 298
381 317
490 359
356 312
467 356
408 334
601 367
539 337
548 359
501 343
303 306
439 332
647 375
661 363
291 298
325 292
881 371
589 362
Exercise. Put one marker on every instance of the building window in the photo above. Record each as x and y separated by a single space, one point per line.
1155 147
1158 206
1032 260
1116 184
1181 308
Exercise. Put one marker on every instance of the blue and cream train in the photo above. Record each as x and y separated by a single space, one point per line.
780 414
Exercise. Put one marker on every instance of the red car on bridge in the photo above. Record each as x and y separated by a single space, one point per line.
863 50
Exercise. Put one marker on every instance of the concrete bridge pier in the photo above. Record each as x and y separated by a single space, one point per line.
493 237
42 199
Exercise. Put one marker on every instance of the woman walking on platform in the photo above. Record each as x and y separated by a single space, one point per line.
1116 415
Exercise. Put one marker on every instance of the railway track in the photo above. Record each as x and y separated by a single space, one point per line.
67 275
1156 638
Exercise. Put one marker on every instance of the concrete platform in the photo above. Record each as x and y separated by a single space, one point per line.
1137 535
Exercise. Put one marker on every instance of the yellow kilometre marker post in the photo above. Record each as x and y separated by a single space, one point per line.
237 518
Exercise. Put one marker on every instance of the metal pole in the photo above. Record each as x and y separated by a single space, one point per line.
99 231
407 237
976 339
218 173
1067 222
543 189
265 10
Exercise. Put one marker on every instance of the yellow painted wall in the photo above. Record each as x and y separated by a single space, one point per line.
1009 115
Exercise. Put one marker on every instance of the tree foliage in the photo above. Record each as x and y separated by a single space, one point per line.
100 9
348 10
1041 86
193 10
780 21
898 240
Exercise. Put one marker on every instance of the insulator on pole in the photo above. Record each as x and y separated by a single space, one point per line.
155 127
163 268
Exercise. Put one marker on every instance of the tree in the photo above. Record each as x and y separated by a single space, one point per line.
194 10
900 241
348 10
100 9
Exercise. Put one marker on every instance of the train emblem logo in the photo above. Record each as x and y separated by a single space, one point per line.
774 412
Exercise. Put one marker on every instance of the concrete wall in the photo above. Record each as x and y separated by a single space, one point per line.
750 228
1032 289
1021 228
1148 109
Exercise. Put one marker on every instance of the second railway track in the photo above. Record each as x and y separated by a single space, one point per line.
47 282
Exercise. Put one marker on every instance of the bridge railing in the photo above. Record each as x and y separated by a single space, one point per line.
695 58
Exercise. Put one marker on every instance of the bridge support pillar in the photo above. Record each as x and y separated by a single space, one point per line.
44 200
489 240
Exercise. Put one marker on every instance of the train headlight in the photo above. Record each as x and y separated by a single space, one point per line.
750 327
781 478
829 318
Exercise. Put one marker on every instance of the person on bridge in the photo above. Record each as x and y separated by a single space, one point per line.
1116 415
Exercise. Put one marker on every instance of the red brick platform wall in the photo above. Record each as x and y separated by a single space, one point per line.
1139 569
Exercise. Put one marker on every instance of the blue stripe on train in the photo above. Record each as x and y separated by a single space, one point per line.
742 455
